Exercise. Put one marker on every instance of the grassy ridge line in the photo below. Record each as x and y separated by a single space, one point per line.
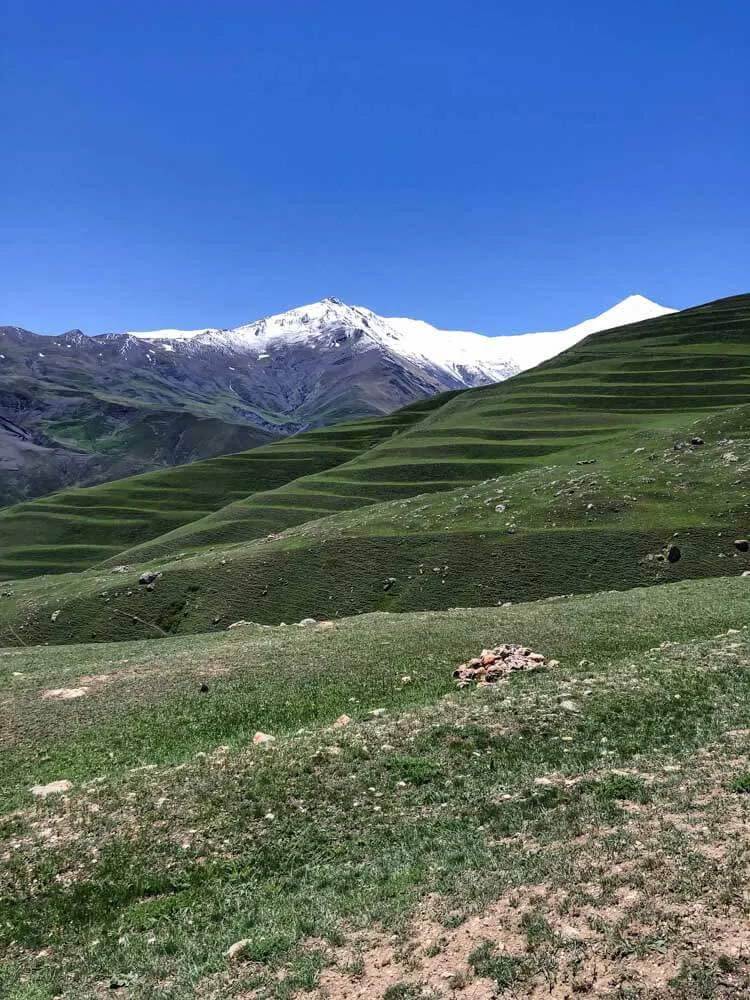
583 397
141 879
72 529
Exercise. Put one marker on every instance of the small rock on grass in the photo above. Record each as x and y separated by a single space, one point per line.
343 720
64 694
378 713
261 738
497 664
53 788
568 705
237 951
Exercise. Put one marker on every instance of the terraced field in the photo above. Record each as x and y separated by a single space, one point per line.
574 477
658 374
74 529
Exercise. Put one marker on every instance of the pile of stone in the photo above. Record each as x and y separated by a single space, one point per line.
493 665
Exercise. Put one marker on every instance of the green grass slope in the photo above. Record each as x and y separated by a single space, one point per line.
73 529
548 531
578 830
657 373
574 477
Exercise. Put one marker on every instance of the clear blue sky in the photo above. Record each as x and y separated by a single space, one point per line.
484 165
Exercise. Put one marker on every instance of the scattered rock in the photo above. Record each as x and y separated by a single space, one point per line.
203 688
307 621
55 615
343 720
64 694
236 951
696 441
673 553
406 679
378 713
568 705
150 576
53 788
239 624
389 582
742 544
261 738
586 461
120 569
497 664
745 572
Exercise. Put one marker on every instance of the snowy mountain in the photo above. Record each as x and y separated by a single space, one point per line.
79 409
458 358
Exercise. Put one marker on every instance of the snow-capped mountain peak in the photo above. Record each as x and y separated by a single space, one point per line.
458 358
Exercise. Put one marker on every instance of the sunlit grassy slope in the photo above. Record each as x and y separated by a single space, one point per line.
73 529
551 530
655 374
573 477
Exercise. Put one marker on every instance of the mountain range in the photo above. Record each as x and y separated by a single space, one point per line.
78 409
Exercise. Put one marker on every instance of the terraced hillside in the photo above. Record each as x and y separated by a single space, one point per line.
640 512
656 374
574 477
77 528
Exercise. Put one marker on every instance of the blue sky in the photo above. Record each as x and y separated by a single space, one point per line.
481 165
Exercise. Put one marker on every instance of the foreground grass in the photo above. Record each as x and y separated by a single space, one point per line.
144 702
553 832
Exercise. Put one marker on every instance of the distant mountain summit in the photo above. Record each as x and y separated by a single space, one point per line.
76 409
458 358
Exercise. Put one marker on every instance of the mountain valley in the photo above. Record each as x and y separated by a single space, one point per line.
241 755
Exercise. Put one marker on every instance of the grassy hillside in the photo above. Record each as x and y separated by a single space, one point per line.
560 529
94 432
578 830
657 374
661 373
592 507
73 529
